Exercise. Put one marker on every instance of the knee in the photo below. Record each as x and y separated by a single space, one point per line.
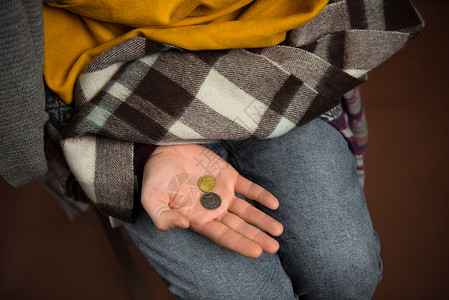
271 288
239 289
351 274
242 278
237 286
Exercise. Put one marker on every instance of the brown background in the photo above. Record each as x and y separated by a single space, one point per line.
43 255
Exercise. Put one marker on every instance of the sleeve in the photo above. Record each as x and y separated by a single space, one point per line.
109 172
22 100
103 171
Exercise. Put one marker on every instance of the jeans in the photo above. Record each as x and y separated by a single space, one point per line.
328 250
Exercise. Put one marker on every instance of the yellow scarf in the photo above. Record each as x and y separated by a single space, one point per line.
76 31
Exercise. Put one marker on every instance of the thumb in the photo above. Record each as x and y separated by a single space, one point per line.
163 216
170 218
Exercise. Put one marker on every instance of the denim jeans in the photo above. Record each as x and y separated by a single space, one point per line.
328 250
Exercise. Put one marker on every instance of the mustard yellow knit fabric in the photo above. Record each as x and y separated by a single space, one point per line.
76 31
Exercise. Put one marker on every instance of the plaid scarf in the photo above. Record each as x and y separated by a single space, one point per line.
147 92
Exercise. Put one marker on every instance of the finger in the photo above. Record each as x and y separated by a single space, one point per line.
255 216
162 215
228 238
255 192
267 243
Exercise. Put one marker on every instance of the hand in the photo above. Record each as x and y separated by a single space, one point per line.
171 196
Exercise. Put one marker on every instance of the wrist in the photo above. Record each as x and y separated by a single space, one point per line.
142 152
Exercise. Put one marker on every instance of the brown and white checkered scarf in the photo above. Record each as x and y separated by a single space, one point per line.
147 92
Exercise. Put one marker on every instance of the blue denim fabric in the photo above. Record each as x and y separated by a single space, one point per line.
328 250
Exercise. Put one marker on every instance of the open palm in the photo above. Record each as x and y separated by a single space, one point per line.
171 196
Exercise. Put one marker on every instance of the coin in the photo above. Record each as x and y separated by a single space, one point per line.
210 201
207 183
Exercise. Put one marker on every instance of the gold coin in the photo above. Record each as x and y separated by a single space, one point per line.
207 183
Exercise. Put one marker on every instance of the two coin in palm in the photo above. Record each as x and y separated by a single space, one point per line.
209 200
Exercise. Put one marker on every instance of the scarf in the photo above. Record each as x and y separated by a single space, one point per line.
76 31
147 92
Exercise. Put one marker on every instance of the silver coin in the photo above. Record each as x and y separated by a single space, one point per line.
210 201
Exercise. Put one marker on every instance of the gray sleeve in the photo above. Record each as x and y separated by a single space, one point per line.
22 98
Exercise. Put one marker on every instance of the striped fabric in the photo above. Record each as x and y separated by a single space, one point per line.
349 118
147 92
